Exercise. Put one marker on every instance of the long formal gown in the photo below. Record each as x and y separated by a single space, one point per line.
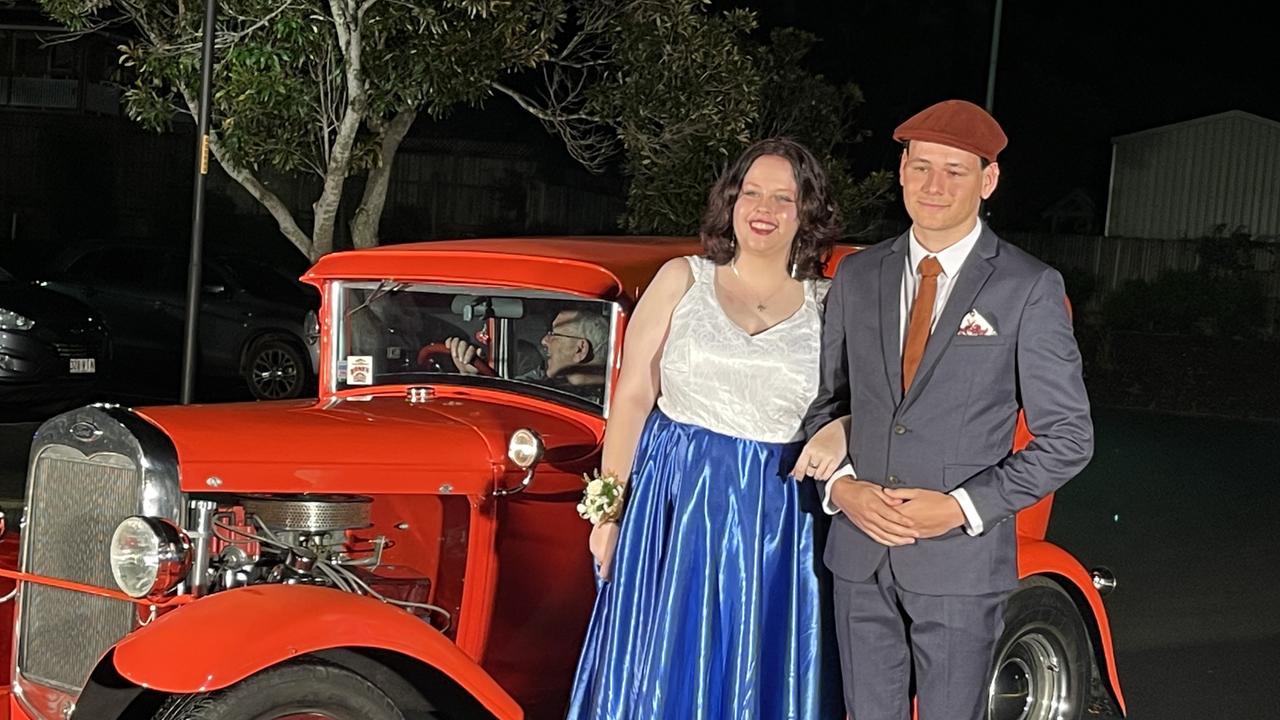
718 607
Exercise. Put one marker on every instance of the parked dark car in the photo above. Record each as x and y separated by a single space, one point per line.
53 349
257 321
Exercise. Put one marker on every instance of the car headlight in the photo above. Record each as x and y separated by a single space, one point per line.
525 448
10 320
149 556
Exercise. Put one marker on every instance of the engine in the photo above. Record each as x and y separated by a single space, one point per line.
311 540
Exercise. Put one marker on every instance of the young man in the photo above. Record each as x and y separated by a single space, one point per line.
932 342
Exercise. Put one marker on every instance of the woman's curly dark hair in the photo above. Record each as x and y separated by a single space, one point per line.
819 217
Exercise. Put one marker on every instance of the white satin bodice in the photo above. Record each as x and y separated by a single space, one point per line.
715 375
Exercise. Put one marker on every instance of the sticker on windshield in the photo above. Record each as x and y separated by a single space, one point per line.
359 369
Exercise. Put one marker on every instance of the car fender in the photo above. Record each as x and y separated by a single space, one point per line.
1038 557
238 633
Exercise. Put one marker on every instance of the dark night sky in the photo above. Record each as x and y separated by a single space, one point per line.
1070 76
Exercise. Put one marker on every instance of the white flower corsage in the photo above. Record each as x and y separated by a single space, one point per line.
602 498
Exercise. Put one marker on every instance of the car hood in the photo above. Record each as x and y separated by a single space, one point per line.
454 443
49 309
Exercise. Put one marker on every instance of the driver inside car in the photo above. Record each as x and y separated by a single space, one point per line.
575 348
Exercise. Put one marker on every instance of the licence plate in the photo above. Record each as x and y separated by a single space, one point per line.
83 365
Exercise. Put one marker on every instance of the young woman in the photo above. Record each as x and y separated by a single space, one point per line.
710 604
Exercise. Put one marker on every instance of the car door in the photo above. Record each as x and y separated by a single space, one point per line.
134 290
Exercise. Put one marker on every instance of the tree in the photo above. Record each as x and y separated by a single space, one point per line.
331 88
671 87
682 93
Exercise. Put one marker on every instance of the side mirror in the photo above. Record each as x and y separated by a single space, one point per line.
311 327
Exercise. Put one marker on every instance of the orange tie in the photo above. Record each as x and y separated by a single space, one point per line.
921 319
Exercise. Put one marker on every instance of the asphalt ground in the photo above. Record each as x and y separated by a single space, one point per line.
1182 509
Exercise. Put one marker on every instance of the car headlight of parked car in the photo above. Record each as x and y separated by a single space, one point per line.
10 320
149 556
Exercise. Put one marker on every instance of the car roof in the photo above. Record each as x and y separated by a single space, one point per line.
608 267
77 249
598 266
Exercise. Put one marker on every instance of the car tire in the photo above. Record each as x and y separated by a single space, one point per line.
275 369
1042 659
294 690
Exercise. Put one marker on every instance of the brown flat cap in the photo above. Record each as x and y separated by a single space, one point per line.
958 124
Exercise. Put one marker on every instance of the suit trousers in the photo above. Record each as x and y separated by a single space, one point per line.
886 632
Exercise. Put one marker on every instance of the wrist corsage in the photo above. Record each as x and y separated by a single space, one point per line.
602 498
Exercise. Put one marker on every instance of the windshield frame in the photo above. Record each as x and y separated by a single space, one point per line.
337 292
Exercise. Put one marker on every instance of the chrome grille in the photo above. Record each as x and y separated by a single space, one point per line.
77 350
74 505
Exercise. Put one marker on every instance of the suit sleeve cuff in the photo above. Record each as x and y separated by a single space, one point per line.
972 520
845 471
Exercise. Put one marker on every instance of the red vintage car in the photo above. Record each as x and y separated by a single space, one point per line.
404 546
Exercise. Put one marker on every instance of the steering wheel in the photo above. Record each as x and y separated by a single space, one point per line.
435 357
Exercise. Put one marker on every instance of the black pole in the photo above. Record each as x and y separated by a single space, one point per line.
197 206
995 53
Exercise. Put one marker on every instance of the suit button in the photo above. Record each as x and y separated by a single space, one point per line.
893 480
899 429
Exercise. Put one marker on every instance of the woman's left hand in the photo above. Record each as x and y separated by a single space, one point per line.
825 451
603 544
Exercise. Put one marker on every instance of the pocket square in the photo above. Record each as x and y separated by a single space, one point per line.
974 324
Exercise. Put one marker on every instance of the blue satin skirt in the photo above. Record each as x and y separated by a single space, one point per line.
719 605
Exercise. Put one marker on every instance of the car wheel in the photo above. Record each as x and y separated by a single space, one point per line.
295 691
275 369
1042 660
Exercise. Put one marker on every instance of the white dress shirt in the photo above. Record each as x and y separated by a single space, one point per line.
951 259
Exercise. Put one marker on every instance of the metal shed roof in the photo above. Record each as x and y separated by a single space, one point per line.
1193 178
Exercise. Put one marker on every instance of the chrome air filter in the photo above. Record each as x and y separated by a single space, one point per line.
311 513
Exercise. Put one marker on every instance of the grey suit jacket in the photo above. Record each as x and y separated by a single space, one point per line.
954 428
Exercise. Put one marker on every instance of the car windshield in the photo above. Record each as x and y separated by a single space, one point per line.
391 333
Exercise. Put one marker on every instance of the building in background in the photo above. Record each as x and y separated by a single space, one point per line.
1212 176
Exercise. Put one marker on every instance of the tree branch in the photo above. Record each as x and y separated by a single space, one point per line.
339 166
364 226
269 200
222 39
539 112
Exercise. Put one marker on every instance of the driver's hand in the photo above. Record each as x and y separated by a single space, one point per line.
462 353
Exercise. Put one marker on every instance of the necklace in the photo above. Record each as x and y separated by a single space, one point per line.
761 302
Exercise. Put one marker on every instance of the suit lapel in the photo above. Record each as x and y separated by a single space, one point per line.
891 268
968 283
